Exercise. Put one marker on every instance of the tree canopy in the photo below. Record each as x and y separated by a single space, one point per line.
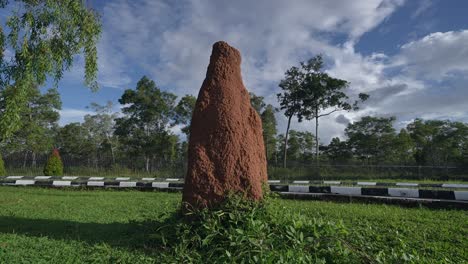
309 92
43 38
147 116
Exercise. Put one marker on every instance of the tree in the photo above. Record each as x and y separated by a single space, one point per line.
371 138
100 127
257 102
404 147
269 131
300 145
148 112
438 142
73 140
291 101
44 37
54 165
183 112
323 94
339 151
2 166
267 115
39 121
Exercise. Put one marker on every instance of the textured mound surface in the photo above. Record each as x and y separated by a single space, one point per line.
226 150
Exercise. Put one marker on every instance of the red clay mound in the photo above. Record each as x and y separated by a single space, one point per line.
226 152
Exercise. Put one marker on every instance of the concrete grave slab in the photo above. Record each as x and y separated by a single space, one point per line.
454 185
42 177
25 182
403 192
96 178
461 195
61 183
127 184
367 183
301 182
14 177
274 181
69 177
161 185
331 182
122 178
406 184
346 190
95 183
299 188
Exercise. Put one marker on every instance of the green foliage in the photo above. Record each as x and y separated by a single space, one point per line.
372 138
74 140
439 142
267 115
291 98
54 165
143 129
339 151
257 103
300 145
2 167
44 37
39 121
184 111
269 131
97 231
403 148
100 129
240 231
309 92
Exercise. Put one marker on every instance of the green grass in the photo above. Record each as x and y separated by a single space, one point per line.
101 226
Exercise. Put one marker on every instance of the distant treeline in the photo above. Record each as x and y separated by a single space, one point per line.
145 136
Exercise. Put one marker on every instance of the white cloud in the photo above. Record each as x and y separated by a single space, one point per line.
436 55
423 6
70 115
172 43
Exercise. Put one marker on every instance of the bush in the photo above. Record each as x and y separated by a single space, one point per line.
2 167
54 165
247 232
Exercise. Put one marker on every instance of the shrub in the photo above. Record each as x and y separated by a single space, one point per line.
54 165
240 231
2 167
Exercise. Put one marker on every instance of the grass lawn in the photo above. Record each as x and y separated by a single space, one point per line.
102 226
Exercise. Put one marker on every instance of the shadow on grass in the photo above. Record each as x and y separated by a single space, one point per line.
131 236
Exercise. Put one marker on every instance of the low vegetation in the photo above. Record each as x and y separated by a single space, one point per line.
54 165
64 226
2 167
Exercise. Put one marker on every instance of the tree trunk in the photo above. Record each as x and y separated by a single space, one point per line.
286 142
111 148
316 139
112 154
33 155
25 159
147 163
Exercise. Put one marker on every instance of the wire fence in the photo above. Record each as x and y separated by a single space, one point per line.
107 166
364 171
104 166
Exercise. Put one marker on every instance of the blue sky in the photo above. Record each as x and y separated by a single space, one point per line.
410 56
